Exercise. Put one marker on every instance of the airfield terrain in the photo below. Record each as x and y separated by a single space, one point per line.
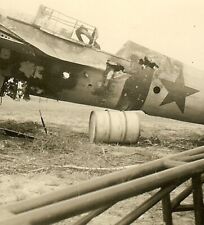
29 168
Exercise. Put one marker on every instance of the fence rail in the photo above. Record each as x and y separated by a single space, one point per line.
99 194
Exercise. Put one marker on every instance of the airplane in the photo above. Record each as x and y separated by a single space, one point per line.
58 57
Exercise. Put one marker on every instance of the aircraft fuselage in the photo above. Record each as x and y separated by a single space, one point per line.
136 79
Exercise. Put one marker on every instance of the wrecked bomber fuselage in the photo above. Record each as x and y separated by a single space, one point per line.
36 62
55 62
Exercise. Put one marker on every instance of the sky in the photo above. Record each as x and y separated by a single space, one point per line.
172 27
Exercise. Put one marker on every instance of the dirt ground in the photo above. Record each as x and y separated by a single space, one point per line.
29 168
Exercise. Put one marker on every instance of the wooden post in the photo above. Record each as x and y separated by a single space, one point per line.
198 199
167 211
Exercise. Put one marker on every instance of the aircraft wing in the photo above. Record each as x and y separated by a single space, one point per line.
66 50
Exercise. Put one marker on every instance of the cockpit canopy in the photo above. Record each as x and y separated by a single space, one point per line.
64 26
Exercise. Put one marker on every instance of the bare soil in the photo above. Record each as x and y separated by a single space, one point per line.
29 168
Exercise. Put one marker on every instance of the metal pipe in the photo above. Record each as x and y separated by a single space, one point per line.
68 208
178 199
97 183
172 163
149 203
190 152
182 208
136 213
192 157
84 220
198 199
167 211
86 187
181 196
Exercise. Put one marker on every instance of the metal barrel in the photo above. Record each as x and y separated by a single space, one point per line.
114 127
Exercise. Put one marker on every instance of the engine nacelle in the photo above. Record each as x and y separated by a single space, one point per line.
114 127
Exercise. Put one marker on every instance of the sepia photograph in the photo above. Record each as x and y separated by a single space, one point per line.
101 112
